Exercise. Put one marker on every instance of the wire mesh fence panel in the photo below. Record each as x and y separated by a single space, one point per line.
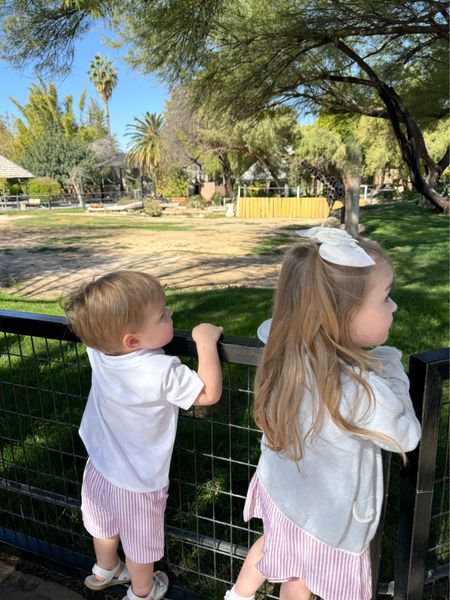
422 561
438 553
215 456
44 384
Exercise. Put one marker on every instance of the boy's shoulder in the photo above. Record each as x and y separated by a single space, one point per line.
141 359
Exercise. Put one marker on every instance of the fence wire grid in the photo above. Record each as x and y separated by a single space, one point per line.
44 383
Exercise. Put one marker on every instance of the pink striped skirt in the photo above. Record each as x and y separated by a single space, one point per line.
330 573
137 517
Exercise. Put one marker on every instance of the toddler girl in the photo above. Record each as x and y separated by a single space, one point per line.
326 406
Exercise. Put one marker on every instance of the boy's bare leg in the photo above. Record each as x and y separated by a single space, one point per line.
141 577
295 589
106 553
250 579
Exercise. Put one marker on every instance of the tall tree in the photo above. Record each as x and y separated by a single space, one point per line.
55 155
347 58
104 77
49 138
43 113
92 121
193 134
331 149
145 142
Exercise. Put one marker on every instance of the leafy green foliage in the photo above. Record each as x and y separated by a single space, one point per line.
9 187
173 186
222 146
92 122
55 155
44 185
322 56
195 201
43 113
240 58
217 199
152 207
50 141
103 75
145 142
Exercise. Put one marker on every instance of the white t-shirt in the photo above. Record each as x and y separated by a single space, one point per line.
129 423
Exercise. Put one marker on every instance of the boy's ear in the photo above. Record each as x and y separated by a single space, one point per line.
131 341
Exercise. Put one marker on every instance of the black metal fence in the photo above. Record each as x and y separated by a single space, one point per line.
44 382
63 200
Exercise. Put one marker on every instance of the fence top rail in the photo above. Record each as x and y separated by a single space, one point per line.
235 349
438 360
232 349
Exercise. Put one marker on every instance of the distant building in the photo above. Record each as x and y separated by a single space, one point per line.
258 173
13 172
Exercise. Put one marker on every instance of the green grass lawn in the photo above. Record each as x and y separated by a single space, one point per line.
58 219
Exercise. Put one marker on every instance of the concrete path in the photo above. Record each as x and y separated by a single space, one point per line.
15 585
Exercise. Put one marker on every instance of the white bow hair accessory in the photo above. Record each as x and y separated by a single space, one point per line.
338 247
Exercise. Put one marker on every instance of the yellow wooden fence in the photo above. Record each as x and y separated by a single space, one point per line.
273 208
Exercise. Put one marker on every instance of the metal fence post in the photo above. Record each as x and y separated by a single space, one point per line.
427 371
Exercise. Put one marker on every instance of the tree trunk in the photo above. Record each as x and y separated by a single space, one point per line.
413 149
108 128
227 174
410 138
352 182
77 182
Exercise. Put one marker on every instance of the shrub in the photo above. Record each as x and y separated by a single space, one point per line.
174 186
152 207
195 201
217 199
7 188
15 188
44 185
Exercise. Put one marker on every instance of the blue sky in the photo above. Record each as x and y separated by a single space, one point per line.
133 96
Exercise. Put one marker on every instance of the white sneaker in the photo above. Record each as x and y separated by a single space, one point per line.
158 591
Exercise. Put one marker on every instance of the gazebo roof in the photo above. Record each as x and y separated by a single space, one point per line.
259 171
10 170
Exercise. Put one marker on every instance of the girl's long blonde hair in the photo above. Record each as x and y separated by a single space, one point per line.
310 338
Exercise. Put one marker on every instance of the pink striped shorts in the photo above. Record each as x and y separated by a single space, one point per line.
137 517
330 573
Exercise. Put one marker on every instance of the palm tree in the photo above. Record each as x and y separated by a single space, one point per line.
104 77
145 142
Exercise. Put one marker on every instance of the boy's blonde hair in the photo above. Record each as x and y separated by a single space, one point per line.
100 312
310 333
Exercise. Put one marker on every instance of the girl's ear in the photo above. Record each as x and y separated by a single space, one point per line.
131 342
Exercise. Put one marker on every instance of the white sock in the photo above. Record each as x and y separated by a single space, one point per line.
233 595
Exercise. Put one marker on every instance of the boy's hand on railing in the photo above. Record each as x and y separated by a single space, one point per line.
206 333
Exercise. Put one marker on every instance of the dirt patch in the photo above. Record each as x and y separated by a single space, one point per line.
183 252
